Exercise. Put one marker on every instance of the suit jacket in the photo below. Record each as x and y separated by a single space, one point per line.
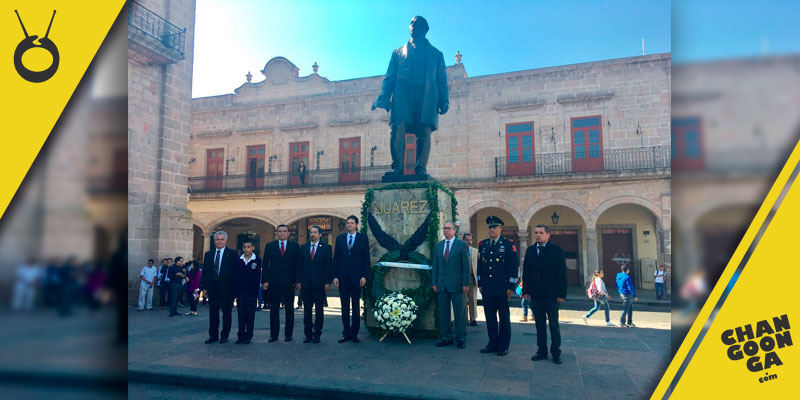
545 275
452 275
221 284
247 277
394 96
318 272
281 271
473 260
350 265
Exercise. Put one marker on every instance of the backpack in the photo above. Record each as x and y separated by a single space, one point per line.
591 291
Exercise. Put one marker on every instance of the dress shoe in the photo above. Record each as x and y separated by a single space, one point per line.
239 341
557 360
343 339
537 357
223 341
272 339
473 323
211 340
460 344
307 340
445 342
287 339
354 340
502 353
316 340
246 341
488 349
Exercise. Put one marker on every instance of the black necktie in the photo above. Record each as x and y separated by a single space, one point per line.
216 261
350 242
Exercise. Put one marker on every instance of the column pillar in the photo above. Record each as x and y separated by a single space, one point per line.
206 242
521 248
591 253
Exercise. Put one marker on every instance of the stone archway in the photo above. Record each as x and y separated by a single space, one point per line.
629 234
567 229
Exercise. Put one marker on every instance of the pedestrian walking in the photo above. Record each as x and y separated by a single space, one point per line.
597 292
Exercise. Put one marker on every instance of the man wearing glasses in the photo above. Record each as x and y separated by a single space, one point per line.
451 283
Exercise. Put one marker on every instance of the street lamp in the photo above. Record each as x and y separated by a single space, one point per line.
554 217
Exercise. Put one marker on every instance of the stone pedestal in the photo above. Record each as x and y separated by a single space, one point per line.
400 219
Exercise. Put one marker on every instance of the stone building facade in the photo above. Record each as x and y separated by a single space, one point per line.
583 148
734 124
160 50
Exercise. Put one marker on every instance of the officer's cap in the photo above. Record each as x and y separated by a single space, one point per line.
493 221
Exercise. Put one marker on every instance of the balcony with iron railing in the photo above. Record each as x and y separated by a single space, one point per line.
628 159
284 180
152 38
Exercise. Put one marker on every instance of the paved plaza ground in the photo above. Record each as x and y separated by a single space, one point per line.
599 361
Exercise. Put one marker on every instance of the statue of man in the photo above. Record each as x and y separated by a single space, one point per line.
414 91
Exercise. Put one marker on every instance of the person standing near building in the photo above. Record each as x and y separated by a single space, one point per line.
545 276
147 280
598 288
246 280
218 266
25 286
279 279
195 275
301 170
176 273
498 268
472 298
315 276
658 277
163 284
628 294
451 269
350 272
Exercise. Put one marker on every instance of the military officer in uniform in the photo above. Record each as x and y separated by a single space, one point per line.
498 268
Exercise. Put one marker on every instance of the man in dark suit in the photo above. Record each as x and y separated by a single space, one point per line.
246 278
350 272
451 282
498 268
217 281
163 284
315 276
279 279
176 272
545 275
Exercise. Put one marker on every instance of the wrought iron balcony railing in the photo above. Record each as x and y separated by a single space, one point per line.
629 159
156 27
283 180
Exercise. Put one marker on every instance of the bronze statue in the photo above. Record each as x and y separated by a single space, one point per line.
414 91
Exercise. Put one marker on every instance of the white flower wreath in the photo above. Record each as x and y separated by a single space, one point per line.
395 312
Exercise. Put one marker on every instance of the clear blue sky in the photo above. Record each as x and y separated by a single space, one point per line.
354 38
716 29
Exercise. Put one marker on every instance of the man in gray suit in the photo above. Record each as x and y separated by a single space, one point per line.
451 269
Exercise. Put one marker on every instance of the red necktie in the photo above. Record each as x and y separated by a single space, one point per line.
313 251
282 249
447 251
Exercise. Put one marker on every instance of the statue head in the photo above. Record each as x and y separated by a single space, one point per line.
418 27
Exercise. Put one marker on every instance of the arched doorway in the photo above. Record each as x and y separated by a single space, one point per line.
479 231
719 232
628 234
567 229
240 229
330 225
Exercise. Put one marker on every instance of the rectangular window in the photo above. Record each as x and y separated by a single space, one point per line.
687 144
587 143
520 149
349 160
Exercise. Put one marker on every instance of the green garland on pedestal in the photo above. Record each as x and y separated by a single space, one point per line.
432 194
